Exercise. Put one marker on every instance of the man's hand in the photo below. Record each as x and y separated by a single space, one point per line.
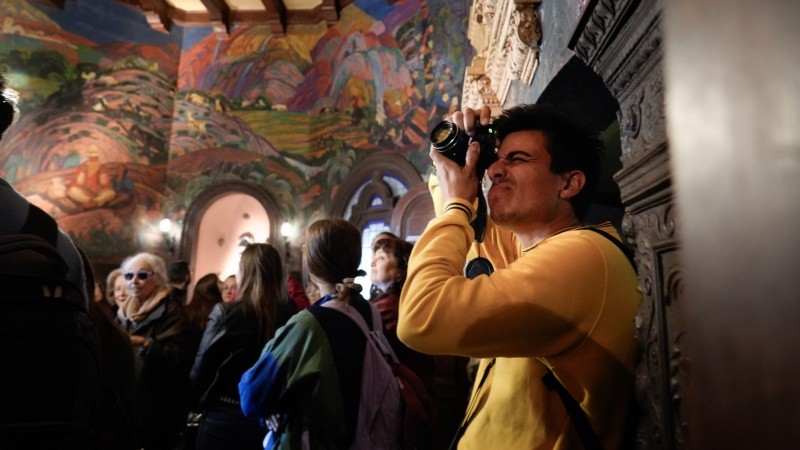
456 181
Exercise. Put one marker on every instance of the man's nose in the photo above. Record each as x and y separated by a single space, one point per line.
497 169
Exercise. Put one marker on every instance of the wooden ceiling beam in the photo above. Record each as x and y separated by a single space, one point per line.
219 14
59 4
275 16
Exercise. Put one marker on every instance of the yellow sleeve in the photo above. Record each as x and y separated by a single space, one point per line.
538 305
499 246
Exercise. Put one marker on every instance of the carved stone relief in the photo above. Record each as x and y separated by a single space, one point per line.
621 41
506 36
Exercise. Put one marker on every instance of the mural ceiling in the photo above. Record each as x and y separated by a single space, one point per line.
123 124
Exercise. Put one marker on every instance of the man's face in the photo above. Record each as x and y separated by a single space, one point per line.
524 191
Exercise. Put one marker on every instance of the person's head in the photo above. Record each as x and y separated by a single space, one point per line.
542 151
99 294
116 292
332 254
205 295
383 235
207 288
145 275
228 289
389 262
8 106
312 292
262 284
179 274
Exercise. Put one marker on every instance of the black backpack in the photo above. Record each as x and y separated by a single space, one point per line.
48 347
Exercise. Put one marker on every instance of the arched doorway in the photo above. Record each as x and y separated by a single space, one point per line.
221 221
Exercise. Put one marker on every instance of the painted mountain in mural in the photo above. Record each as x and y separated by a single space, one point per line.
17 10
160 58
121 112
251 63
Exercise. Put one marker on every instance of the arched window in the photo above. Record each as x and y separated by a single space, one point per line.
369 196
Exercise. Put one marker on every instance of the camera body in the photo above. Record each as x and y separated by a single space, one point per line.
452 142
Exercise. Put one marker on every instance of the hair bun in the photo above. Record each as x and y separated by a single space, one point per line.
349 284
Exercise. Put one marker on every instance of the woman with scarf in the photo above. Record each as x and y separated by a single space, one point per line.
162 341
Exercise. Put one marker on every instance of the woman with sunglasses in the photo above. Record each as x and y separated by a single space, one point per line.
162 341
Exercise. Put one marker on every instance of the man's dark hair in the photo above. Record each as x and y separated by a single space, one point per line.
571 145
178 272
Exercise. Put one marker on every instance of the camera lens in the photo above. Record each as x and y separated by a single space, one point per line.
445 135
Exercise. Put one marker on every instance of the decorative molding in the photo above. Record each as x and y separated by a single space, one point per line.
642 118
598 26
506 36
641 51
661 373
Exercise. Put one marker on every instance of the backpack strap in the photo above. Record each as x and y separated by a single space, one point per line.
377 326
352 313
576 414
40 223
627 251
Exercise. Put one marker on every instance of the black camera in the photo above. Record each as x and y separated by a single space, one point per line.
452 142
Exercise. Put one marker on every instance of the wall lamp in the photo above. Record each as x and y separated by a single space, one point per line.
288 231
165 226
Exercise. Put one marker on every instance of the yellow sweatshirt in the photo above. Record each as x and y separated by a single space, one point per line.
568 302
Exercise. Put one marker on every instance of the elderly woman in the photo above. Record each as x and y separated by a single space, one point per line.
116 292
161 337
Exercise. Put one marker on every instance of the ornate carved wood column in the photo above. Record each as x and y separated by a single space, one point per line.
621 41
506 35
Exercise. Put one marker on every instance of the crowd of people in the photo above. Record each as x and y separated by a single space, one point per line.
263 360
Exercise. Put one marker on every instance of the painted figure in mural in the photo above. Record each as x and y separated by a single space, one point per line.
92 186
559 302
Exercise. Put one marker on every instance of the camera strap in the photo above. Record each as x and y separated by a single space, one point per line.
479 222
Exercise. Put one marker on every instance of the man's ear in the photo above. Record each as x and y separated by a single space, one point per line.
574 181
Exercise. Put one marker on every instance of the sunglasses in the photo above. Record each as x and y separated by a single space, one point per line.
143 275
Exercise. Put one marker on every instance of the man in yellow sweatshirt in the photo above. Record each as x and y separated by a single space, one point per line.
561 297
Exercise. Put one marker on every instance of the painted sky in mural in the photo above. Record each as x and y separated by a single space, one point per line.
123 124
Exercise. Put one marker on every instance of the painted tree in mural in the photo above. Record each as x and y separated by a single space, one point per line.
124 126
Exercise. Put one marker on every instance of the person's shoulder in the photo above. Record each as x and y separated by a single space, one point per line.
172 306
222 309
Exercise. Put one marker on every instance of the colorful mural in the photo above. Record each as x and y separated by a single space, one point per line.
123 125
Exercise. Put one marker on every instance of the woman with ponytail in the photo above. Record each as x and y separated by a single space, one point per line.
233 339
308 379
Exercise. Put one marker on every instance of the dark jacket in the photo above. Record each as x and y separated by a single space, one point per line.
421 364
162 387
230 345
